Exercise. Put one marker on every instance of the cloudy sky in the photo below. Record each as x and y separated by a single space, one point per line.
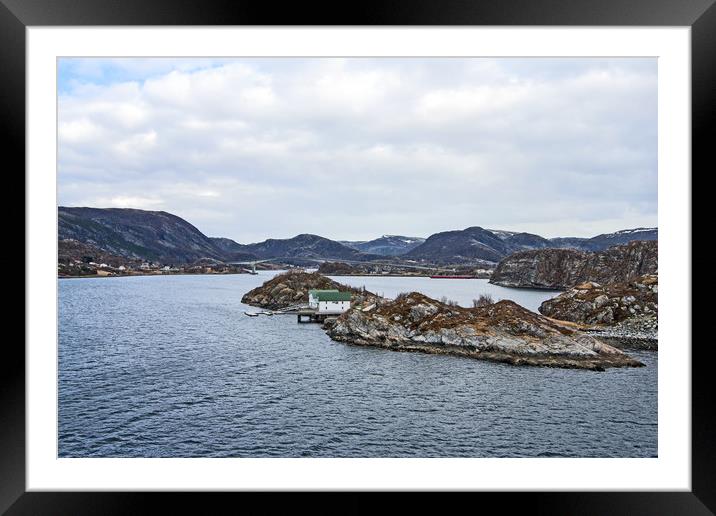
355 148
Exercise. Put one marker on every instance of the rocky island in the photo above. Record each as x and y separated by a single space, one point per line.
502 331
624 314
291 288
560 269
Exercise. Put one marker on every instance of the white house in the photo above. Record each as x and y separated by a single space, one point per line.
329 301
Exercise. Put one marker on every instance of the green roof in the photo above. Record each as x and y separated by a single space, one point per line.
316 291
333 295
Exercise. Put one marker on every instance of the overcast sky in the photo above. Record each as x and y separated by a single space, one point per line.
352 149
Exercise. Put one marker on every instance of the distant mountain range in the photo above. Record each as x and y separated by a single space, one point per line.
306 246
387 245
602 242
163 237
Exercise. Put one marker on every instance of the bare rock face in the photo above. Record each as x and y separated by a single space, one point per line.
563 268
503 331
624 313
291 288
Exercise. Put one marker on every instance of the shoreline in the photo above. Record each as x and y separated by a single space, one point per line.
247 274
95 276
560 361
396 276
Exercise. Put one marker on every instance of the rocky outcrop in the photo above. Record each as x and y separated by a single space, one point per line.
563 268
502 331
624 314
338 269
291 288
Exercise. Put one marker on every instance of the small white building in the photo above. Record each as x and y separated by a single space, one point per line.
329 301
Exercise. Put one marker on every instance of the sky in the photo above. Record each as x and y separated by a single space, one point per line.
355 148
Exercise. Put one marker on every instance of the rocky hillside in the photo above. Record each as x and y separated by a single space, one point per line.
605 240
337 268
467 245
291 288
162 237
563 268
305 246
387 245
522 241
502 331
70 251
625 313
76 258
492 245
148 235
478 243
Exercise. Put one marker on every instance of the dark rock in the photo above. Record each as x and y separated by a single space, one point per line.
503 331
625 314
563 268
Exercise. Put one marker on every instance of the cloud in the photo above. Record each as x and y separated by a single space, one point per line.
130 202
355 148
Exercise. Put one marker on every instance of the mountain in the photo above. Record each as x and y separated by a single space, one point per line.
568 242
162 237
494 244
521 240
564 268
305 246
232 251
527 241
606 240
474 243
147 235
387 245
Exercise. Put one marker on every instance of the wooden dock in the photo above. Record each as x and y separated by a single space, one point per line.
308 315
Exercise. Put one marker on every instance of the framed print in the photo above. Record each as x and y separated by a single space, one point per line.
251 211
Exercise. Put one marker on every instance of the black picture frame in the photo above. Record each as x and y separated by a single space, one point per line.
700 15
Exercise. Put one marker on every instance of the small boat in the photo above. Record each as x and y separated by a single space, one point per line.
265 313
251 314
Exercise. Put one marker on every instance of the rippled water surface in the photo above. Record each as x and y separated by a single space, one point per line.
171 367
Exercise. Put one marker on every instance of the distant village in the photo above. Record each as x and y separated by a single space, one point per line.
90 266
80 259
75 268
